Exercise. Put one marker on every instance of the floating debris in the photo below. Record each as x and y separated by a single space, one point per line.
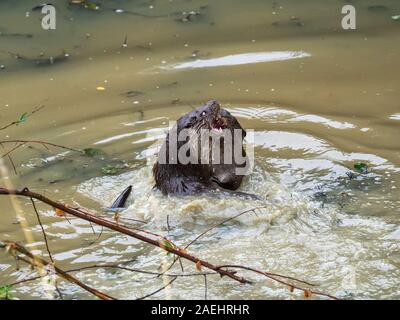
197 54
100 88
16 35
41 61
396 18
125 44
134 13
93 152
132 93
52 60
188 16
293 21
146 46
175 101
377 8
85 4
351 175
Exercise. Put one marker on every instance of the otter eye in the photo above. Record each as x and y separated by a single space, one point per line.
203 113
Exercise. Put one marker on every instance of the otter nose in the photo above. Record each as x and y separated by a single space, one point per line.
213 105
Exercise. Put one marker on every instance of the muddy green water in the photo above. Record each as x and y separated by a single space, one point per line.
337 103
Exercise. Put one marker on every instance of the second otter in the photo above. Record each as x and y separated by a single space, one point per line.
175 172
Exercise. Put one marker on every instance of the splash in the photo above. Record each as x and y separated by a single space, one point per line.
280 205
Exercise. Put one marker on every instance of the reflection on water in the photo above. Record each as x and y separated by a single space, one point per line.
238 59
314 118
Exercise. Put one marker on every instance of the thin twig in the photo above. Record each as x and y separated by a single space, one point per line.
179 252
11 150
39 262
276 277
211 228
18 121
158 290
122 229
12 163
205 287
43 143
222 222
43 232
117 266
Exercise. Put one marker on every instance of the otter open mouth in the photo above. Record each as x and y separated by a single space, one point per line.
218 125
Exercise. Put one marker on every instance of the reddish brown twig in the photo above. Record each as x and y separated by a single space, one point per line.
167 246
39 262
120 267
275 277
211 228
122 229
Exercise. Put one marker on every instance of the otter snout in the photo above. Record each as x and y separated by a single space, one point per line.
213 106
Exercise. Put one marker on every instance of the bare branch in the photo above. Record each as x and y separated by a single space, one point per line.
19 121
275 277
166 245
43 232
39 262
122 229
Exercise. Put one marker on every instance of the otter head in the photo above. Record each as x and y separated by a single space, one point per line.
207 116
175 172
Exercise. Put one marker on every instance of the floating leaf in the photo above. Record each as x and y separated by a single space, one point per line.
59 212
5 292
198 265
307 293
92 152
361 167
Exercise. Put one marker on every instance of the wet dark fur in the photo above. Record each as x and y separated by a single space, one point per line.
189 178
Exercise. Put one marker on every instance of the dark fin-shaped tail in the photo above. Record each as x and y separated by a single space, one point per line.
121 200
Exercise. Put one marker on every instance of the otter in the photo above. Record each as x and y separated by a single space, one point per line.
174 176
